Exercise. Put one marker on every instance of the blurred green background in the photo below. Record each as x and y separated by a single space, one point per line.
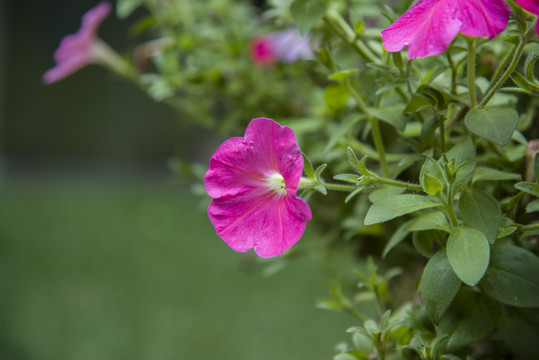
103 253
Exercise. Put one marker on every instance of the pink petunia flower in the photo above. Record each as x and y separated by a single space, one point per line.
286 45
530 6
430 25
253 181
79 49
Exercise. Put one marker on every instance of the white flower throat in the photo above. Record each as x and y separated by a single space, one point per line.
276 183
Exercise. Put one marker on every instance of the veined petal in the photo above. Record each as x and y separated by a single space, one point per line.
430 26
233 170
529 5
273 148
427 29
483 17
269 223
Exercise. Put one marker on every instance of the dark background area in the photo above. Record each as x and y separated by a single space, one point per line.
104 254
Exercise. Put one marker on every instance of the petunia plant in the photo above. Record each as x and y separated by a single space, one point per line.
401 133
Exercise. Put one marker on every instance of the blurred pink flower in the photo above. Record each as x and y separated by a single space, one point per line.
286 45
79 49
253 181
430 25
531 6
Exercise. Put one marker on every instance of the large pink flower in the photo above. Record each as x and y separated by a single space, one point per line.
430 25
79 49
286 45
253 181
531 6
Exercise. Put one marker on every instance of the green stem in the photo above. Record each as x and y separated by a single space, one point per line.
398 183
339 187
364 149
517 52
529 227
349 36
374 124
453 71
471 72
441 121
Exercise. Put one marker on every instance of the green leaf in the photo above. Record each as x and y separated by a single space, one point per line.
529 65
489 174
393 115
439 285
536 167
352 159
470 318
528 187
342 76
395 206
494 124
481 211
519 328
512 277
433 169
349 178
423 242
468 252
434 220
399 235
308 166
432 185
533 206
463 153
306 13
336 96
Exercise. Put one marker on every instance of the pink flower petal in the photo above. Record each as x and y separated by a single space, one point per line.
529 5
430 26
270 224
247 211
75 50
483 17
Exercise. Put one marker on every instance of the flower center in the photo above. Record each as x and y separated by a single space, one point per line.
275 182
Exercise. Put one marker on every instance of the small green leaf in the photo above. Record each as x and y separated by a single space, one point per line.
349 178
336 96
533 206
308 166
434 220
481 211
463 153
494 124
529 65
468 252
432 185
512 277
342 76
353 194
528 187
320 170
432 168
395 206
306 13
439 285
489 174
393 115
352 159
359 27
